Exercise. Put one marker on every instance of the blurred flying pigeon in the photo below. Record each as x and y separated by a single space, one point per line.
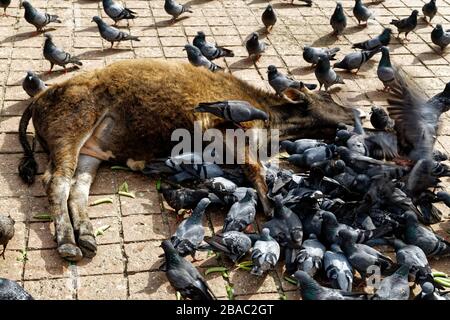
301 145
440 37
380 119
36 18
233 244
375 43
429 10
385 70
32 84
362 13
326 75
183 198
269 18
395 286
6 232
241 213
337 268
175 9
338 20
11 290
5 4
183 276
117 12
236 111
279 82
406 25
255 47
310 256
312 55
112 34
355 60
265 253
196 58
56 55
209 50
190 232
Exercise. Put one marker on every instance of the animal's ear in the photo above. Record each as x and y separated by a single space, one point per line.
294 95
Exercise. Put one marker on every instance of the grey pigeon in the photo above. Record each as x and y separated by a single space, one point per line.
411 256
280 82
236 111
221 185
312 55
430 293
183 198
241 213
311 290
209 50
183 276
406 25
355 60
117 12
395 286
255 47
195 171
56 55
175 9
310 256
11 290
37 18
311 155
6 232
269 18
301 145
5 4
32 84
326 75
233 244
265 253
338 20
385 70
361 12
380 119
375 43
176 162
190 232
440 37
196 58
112 34
429 10
337 268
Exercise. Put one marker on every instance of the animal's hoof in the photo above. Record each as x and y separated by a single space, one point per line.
88 245
70 252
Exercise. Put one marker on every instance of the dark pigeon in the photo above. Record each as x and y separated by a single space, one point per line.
395 286
385 70
429 293
326 75
406 25
32 84
183 198
280 82
362 13
310 256
11 290
337 269
209 50
269 18
338 20
375 43
37 18
429 10
255 47
5 4
6 232
312 55
265 253
242 213
311 156
117 12
236 111
380 119
196 58
175 9
233 244
355 60
56 55
440 37
301 145
112 34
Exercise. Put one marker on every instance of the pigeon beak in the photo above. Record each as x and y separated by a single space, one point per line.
184 49
30 78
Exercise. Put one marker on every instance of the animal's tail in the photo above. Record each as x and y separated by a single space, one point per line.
332 53
76 61
28 165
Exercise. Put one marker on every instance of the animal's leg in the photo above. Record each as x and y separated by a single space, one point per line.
254 172
3 252
112 44
51 67
78 201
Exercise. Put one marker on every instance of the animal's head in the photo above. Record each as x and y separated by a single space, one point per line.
192 51
438 28
96 19
269 8
26 5
271 70
201 35
254 36
30 74
415 13
385 51
339 7
48 36
386 32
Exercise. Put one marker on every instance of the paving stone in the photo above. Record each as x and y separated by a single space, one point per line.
109 259
51 289
144 227
150 286
102 287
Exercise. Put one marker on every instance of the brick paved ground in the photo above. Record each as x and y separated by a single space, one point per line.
127 260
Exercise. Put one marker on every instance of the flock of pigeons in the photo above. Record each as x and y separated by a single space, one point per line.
362 190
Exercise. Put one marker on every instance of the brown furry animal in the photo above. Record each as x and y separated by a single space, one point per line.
126 112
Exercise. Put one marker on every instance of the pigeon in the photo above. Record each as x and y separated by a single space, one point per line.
236 111
310 256
176 162
337 269
36 18
175 9
269 18
265 253
5 4
301 145
380 119
375 43
385 70
221 185
6 232
312 55
429 10
209 50
444 197
362 13
183 276
279 82
11 290
361 256
395 286
190 232
406 25
416 234
255 47
440 37
58 56
241 214
311 290
117 12
355 60
112 34
233 244
311 155
411 256
196 58
326 75
183 198
338 20
32 84
430 293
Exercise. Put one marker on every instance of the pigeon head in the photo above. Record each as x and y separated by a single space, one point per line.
26 4
410 217
269 7
265 234
254 36
340 165
201 35
384 50
415 13
329 218
30 74
438 27
287 145
96 19
427 288
447 89
308 286
335 248
192 51
272 69
346 236
48 36
201 206
339 6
